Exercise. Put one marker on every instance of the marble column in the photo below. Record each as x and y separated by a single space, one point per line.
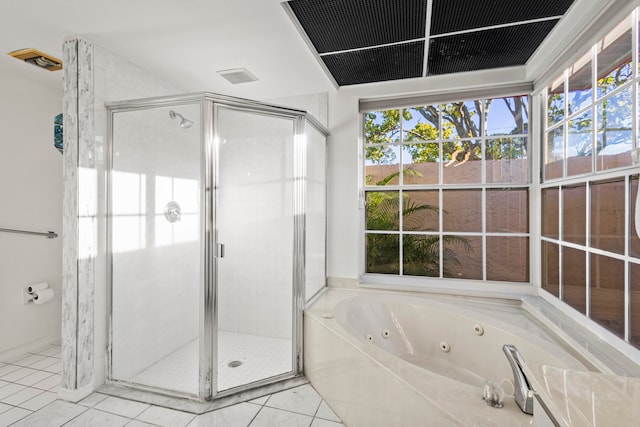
79 221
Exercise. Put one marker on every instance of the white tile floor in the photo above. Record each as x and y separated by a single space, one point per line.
261 358
28 386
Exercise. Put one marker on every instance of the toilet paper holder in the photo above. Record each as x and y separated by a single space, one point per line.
30 293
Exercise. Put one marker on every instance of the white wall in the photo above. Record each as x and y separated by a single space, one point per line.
30 199
343 234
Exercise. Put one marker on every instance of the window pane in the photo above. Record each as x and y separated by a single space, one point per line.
383 254
508 258
461 120
580 92
421 255
615 118
550 268
382 165
550 224
382 127
634 246
634 280
614 58
382 211
580 144
462 257
420 163
421 124
607 216
574 204
555 101
574 278
508 210
462 162
507 116
420 211
462 210
507 160
554 154
607 293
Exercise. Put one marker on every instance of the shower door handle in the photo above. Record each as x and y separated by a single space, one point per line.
220 250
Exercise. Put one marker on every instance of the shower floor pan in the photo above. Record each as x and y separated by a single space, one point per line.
259 357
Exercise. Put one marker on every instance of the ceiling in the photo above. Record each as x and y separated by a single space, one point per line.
391 39
185 42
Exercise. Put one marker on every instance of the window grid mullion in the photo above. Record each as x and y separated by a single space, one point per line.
560 240
594 109
441 230
484 233
440 195
565 129
400 197
627 253
588 247
483 181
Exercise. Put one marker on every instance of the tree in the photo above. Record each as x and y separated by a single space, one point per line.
458 128
459 120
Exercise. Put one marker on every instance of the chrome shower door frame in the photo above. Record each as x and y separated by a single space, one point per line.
299 119
208 325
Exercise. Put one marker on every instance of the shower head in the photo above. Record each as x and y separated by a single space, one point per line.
184 123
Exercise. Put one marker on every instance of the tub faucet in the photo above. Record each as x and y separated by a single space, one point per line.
523 392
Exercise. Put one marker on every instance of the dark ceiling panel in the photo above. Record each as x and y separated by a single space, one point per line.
500 47
402 61
448 16
335 25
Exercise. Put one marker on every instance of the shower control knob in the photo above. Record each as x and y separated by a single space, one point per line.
172 211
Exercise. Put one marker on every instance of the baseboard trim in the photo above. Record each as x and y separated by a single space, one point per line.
12 353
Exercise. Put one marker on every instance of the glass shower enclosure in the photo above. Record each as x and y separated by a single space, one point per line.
216 224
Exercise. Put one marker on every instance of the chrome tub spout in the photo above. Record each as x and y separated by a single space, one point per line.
523 392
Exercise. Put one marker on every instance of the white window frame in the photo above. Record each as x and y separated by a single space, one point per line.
436 284
622 173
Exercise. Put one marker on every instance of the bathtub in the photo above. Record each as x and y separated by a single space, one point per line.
390 360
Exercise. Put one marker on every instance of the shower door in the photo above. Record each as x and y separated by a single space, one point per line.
256 252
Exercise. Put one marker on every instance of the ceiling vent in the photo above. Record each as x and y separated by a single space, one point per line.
237 75
37 58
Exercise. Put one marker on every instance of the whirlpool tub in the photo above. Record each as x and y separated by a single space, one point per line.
389 360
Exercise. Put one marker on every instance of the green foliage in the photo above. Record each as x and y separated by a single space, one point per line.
459 124
382 128
421 253
458 120
615 78
506 148
555 107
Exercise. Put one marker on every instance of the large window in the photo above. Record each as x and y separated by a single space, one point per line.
447 190
590 251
